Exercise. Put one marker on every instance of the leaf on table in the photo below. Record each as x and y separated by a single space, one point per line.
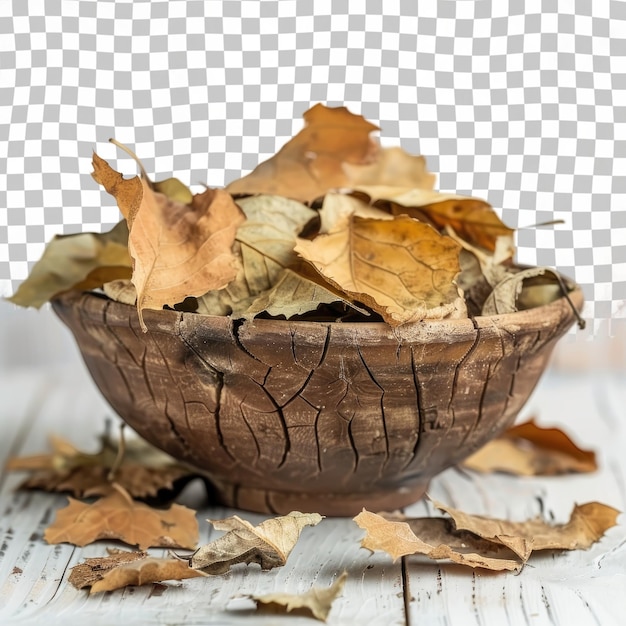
178 250
296 293
81 261
397 539
122 569
402 269
472 219
528 288
315 603
90 571
118 516
139 468
529 450
587 524
268 544
312 162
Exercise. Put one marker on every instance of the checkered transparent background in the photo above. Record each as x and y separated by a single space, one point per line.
522 103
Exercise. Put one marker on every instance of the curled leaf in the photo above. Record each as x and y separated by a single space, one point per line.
528 288
529 450
315 603
144 572
88 572
397 539
587 524
268 544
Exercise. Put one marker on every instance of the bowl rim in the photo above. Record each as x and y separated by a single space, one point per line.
557 315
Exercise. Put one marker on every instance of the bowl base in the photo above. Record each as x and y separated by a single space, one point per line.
329 504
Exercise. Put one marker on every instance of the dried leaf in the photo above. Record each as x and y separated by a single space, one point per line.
178 250
268 544
402 269
118 516
529 450
337 209
528 288
82 261
471 219
297 293
265 243
143 470
312 162
393 167
144 572
122 291
315 603
587 524
397 539
128 192
434 538
90 571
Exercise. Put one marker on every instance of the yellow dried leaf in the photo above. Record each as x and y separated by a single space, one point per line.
529 450
402 268
312 162
82 261
118 516
268 544
315 603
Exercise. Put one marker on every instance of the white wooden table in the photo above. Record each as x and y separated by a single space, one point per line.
555 588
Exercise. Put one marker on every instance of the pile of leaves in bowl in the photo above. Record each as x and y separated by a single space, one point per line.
332 227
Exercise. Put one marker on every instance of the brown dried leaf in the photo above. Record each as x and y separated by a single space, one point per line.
143 471
118 516
587 524
472 219
401 268
268 544
178 250
90 571
529 450
144 572
82 261
315 603
397 539
312 162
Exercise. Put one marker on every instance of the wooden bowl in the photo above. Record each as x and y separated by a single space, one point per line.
314 416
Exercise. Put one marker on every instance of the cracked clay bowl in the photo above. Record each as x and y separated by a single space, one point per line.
314 416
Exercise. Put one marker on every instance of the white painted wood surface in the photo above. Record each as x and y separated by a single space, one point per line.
575 588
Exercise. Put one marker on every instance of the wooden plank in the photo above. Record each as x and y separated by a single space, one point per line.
581 587
33 575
